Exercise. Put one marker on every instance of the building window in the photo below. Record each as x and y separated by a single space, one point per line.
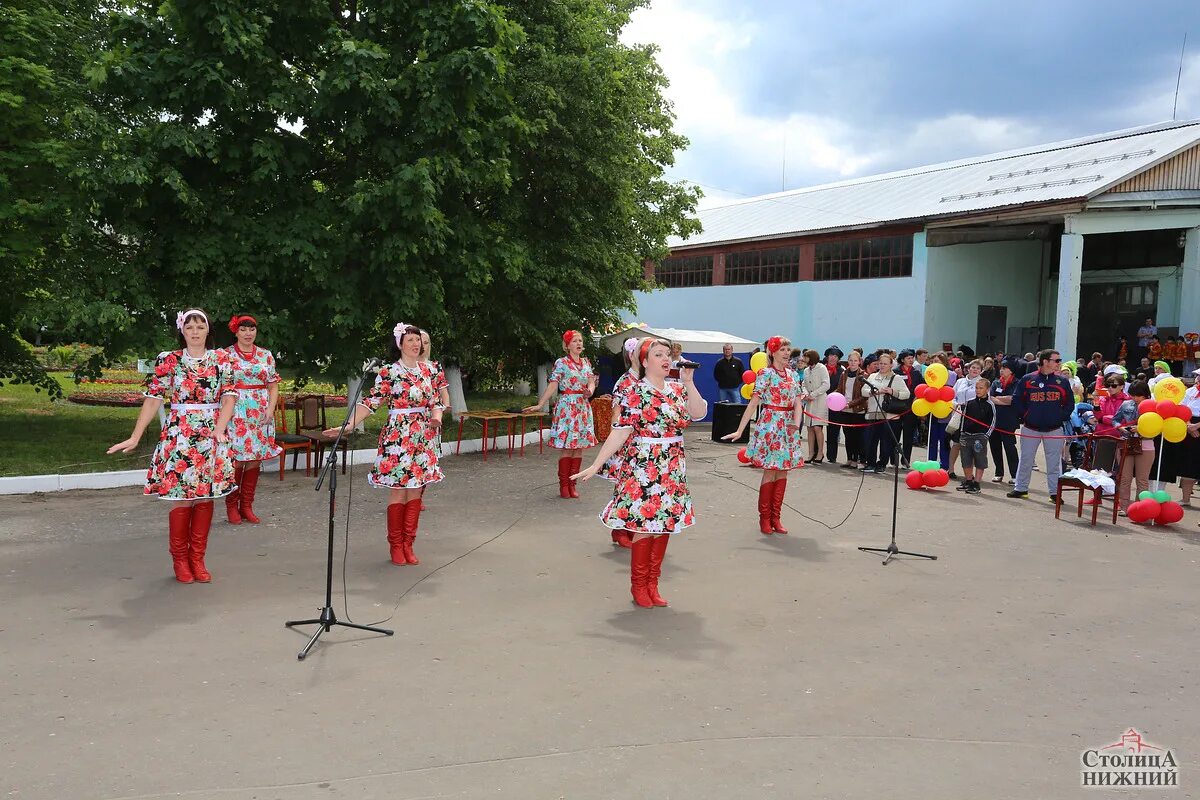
682 271
776 265
854 259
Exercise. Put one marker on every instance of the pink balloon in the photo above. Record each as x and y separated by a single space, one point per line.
836 401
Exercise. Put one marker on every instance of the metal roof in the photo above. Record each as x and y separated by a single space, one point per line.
1060 171
693 341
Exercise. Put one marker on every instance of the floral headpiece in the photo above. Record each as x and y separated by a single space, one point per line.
182 316
774 343
631 346
568 335
237 320
398 332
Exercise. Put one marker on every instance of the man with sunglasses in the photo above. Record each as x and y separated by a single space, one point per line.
1043 401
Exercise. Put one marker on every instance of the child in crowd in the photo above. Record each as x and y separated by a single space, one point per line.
979 418
1081 424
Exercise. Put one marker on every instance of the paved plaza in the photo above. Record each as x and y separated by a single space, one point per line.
786 667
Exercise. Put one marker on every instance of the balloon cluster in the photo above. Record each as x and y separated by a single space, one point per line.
934 396
758 362
1155 506
1165 417
926 474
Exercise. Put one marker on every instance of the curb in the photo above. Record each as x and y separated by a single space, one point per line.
31 484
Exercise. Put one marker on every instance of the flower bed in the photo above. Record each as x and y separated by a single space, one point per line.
126 399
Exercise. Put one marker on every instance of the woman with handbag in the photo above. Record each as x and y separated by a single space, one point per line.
815 395
964 392
886 393
850 385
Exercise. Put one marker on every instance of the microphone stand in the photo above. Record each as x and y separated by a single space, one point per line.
892 550
328 619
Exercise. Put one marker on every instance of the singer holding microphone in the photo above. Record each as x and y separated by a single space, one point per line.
407 460
191 465
775 441
651 500
572 427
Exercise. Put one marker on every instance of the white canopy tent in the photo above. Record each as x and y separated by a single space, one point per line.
712 342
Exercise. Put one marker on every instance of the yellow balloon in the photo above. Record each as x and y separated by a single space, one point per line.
747 390
1174 430
935 376
1169 389
758 361
1150 425
942 408
921 407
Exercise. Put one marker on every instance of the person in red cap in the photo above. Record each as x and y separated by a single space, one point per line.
572 428
775 441
252 429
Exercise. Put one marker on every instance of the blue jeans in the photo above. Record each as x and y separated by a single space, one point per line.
729 396
939 442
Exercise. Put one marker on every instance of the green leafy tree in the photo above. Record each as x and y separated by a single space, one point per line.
490 170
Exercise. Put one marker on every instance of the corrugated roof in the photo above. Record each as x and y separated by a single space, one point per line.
1067 170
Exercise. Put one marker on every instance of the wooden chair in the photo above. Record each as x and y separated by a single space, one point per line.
310 422
290 441
1102 452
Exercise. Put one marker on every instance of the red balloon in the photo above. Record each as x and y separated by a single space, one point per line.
1184 413
929 478
748 376
943 477
1146 406
920 391
1136 512
913 480
1170 513
946 393
1165 408
742 457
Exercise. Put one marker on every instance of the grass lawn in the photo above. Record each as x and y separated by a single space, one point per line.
40 437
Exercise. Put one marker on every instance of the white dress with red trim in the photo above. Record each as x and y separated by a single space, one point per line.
651 495
572 426
408 456
252 430
188 462
771 445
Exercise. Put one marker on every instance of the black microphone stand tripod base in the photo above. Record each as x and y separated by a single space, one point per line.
328 619
892 550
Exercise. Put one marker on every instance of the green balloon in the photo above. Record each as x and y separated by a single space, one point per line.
1162 496
1145 495
925 466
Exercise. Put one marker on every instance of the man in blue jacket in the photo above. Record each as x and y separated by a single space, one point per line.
1043 401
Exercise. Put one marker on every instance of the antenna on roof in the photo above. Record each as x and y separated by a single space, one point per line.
1179 76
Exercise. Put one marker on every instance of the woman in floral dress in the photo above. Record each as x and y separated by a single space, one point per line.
775 441
443 387
252 430
627 381
651 500
191 465
407 460
572 428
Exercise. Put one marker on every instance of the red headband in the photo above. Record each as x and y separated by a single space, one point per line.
644 350
236 321
568 335
774 343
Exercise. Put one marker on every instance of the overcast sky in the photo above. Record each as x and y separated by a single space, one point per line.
856 88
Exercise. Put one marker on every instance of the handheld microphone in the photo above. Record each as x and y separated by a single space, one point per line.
372 364
688 365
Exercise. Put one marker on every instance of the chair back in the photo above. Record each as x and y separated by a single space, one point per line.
1105 454
310 410
281 414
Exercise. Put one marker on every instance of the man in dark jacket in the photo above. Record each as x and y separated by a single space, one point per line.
728 374
833 363
1043 401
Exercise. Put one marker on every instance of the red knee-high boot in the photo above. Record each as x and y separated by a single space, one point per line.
412 516
231 500
639 571
395 532
249 484
564 486
202 514
765 494
576 465
777 505
180 520
657 552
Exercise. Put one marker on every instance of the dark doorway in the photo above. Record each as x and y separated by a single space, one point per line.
989 333
1108 311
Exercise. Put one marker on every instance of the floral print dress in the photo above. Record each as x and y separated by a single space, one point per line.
407 458
439 383
189 463
620 389
771 446
572 426
251 430
651 494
